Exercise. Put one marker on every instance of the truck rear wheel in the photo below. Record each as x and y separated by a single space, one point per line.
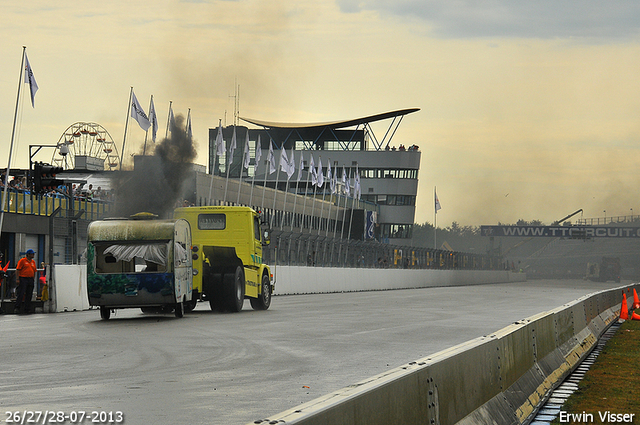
190 305
233 287
264 297
105 312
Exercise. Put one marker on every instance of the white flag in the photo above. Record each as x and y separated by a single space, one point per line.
154 120
300 167
31 79
232 146
332 183
320 175
344 177
314 173
138 114
247 157
188 129
284 161
219 141
258 155
437 206
292 165
271 159
347 186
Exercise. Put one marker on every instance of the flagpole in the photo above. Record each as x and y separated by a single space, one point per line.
13 132
187 127
245 152
255 167
214 157
304 204
332 190
239 187
315 189
297 187
284 204
275 192
435 219
344 218
344 212
229 161
242 169
253 183
146 133
126 125
353 200
264 184
330 183
324 193
356 184
166 134
335 228
295 200
226 184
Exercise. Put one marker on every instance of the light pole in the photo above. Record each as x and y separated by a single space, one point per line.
605 216
631 213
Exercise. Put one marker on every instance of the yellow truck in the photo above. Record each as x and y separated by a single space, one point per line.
227 258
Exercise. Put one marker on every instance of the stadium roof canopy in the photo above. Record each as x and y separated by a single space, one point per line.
322 127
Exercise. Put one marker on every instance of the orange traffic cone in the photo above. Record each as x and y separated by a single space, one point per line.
636 301
624 309
635 316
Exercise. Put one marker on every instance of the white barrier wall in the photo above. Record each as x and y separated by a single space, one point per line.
69 285
498 379
314 280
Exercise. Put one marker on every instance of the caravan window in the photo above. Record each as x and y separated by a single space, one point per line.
116 257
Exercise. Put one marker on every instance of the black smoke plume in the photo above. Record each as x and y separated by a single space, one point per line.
156 184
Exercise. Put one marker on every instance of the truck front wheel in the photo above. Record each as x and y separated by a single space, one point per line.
264 297
234 290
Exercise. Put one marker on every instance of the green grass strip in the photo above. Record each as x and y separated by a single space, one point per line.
611 387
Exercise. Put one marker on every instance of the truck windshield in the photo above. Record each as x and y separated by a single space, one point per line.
212 221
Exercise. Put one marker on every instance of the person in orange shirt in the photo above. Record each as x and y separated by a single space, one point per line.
26 269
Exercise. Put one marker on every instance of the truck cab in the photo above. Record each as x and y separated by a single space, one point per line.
227 257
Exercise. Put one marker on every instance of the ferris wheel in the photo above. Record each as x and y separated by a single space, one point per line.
87 146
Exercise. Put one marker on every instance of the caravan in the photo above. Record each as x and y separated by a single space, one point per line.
141 262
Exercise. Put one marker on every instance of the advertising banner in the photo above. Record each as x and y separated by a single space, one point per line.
576 232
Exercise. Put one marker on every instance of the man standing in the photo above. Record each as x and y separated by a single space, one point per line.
26 269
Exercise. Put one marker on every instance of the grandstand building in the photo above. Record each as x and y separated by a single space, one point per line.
388 174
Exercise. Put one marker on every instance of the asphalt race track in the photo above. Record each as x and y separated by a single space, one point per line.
214 368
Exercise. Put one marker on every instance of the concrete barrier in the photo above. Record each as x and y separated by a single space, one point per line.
315 280
68 289
496 379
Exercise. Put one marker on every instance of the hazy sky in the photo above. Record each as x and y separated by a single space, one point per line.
529 110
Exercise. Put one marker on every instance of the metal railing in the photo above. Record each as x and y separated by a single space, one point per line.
20 202
306 249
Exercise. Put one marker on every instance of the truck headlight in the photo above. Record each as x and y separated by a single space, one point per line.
195 272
